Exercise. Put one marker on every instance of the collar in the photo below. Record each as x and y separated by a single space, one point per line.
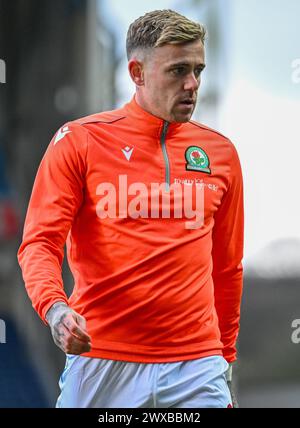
151 124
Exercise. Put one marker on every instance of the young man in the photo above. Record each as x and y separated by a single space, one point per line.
151 206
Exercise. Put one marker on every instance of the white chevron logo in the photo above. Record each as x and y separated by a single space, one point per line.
62 132
127 152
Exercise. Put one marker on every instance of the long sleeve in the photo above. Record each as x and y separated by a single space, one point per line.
56 197
227 253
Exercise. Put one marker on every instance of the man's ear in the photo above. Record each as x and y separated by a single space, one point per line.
136 71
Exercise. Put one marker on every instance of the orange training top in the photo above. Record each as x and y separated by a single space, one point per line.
154 283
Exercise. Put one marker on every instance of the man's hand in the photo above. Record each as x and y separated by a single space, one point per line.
231 389
68 329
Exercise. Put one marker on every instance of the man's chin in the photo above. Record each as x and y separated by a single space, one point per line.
183 115
183 118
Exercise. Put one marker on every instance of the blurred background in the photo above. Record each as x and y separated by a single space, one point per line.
64 59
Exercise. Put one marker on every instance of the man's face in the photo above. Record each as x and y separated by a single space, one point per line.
171 79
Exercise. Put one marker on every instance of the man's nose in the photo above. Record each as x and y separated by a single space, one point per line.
191 83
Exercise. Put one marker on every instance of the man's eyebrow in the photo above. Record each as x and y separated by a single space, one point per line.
185 64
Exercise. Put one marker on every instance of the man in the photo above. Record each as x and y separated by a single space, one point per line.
154 315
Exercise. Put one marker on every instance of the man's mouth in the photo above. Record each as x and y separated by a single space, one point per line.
188 102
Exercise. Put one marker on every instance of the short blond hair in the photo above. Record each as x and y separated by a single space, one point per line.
160 27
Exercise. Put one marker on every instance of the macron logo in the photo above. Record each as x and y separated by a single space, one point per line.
62 132
127 152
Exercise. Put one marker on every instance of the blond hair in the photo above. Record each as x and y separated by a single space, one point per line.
160 27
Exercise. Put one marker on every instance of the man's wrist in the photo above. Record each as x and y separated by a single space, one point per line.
53 309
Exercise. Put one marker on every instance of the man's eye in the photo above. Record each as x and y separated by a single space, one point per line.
178 71
198 71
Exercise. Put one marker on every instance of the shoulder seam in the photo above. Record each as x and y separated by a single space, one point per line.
199 125
108 121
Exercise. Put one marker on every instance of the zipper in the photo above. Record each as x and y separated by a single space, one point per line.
165 154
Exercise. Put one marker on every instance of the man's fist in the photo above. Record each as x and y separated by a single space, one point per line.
68 329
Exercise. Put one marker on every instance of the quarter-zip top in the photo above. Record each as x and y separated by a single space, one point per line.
151 289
